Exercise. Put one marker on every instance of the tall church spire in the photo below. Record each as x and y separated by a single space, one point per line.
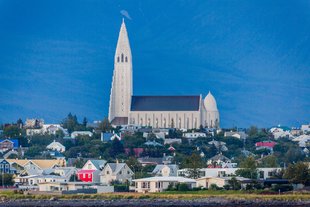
121 90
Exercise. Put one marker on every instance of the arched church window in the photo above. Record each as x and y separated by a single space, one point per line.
118 59
211 124
122 57
126 60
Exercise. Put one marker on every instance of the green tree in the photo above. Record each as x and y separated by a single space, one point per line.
85 122
248 168
12 131
298 173
7 180
116 148
193 164
269 161
234 184
105 125
253 131
133 164
70 122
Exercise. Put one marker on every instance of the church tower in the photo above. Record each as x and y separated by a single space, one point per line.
121 90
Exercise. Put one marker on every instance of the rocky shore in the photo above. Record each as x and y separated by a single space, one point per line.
208 202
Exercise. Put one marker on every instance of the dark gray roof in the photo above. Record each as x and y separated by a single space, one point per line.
165 103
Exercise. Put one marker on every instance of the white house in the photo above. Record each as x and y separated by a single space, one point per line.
206 182
238 135
56 146
263 173
81 133
119 172
159 184
305 128
165 170
220 160
281 132
194 135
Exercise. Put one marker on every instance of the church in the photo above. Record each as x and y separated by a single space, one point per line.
185 112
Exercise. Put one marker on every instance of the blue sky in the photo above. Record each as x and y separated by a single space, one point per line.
56 57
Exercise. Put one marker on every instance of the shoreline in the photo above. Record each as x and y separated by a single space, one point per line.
208 202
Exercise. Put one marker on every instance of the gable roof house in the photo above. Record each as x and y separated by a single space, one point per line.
56 146
119 172
165 170
8 144
91 170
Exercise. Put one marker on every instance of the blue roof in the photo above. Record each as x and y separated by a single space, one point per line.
15 142
165 103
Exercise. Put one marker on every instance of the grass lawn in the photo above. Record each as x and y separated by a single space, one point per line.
188 195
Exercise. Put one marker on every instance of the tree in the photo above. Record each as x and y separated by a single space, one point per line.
12 131
7 180
234 183
85 122
298 173
193 163
252 131
105 125
116 148
248 168
70 122
269 161
133 164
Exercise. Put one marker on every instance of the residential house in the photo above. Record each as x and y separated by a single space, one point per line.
119 172
206 182
35 167
159 184
155 160
91 170
221 146
280 132
194 135
74 188
305 128
106 137
8 144
238 135
263 173
265 145
153 144
165 170
5 167
220 161
172 141
56 146
81 133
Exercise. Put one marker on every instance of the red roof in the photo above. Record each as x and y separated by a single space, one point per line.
265 144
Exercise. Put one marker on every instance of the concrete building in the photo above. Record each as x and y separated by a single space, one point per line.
156 111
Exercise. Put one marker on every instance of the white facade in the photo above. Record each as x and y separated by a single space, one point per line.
305 128
121 90
56 146
159 184
116 172
121 98
194 135
81 133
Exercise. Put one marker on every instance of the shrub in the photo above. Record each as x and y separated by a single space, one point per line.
213 187
282 188
182 187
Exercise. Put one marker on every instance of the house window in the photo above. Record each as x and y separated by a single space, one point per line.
118 59
108 172
89 176
128 172
126 60
89 166
120 172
